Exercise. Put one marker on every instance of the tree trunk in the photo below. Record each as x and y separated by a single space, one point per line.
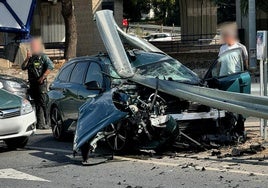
70 29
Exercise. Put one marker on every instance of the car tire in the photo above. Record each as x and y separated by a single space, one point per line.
57 124
116 137
14 143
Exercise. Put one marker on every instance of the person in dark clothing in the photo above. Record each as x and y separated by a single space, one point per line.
38 66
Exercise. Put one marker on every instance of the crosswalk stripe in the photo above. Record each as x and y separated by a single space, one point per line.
10 173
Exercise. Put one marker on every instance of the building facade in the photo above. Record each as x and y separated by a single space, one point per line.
198 19
48 22
89 41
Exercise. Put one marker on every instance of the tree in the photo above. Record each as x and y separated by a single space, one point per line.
133 9
166 11
174 14
260 4
70 28
226 10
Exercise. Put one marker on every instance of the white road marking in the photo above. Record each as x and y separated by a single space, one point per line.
10 173
157 162
196 167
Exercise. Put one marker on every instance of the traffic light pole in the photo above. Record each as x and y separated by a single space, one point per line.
253 60
252 34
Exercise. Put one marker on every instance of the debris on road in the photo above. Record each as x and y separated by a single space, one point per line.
248 149
215 152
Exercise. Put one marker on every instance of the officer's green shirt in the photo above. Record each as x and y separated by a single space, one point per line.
37 66
48 62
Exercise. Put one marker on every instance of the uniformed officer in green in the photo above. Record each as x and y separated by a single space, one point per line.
38 66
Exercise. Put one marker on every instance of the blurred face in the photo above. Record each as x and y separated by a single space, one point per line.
228 39
36 46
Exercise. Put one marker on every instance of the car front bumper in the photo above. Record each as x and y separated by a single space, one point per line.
23 125
212 114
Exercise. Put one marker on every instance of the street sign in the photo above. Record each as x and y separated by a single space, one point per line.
262 43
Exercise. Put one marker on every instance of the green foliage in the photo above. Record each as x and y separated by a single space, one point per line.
134 8
226 10
166 11
260 4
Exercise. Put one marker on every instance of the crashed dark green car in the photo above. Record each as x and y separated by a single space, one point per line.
150 72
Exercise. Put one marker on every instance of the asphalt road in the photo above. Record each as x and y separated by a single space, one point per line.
48 163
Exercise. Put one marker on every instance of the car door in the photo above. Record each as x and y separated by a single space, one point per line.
76 81
227 73
59 90
94 73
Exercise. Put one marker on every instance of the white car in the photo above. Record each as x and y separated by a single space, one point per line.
17 120
159 37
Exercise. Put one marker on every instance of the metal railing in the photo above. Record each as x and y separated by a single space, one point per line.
154 28
186 43
55 50
190 43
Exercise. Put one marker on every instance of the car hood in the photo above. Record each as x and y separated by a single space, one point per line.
12 78
9 101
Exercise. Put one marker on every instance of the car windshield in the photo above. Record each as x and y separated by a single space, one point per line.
165 69
169 69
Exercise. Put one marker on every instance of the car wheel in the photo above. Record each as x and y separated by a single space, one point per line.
56 124
19 142
116 136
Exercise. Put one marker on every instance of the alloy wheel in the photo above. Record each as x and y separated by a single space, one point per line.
56 124
116 136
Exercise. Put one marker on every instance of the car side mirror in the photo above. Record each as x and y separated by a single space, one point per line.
93 85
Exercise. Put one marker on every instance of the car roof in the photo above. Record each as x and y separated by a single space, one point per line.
96 58
84 58
148 57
